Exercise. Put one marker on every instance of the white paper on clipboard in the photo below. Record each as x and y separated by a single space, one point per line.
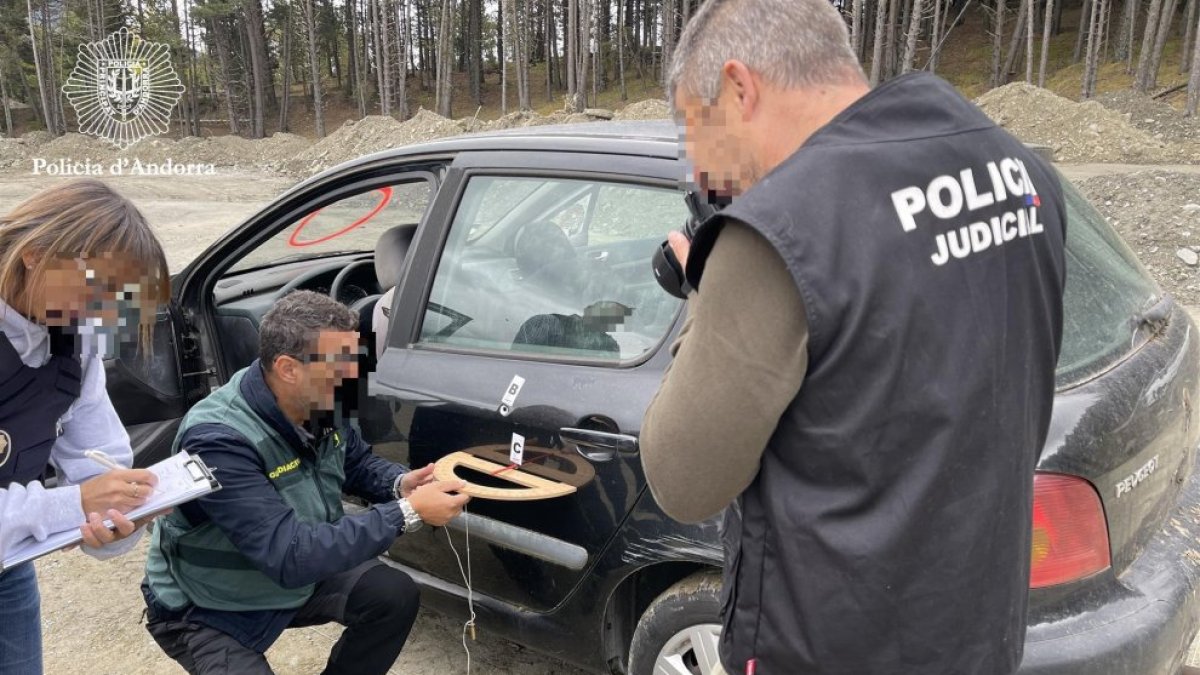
181 478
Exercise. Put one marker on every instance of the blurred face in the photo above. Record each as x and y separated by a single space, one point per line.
311 384
716 142
101 295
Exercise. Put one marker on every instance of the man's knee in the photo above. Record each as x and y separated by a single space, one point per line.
384 593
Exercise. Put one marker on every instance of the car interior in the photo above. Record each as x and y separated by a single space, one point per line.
528 279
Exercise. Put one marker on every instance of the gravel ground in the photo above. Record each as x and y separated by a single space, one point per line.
1158 215
91 609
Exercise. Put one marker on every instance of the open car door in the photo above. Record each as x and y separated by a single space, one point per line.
150 387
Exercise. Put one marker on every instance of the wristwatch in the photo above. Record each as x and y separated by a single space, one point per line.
412 521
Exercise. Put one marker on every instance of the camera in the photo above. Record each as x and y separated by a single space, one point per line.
668 271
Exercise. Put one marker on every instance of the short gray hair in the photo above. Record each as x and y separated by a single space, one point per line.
289 327
790 43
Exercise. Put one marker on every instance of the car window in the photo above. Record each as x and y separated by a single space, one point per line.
348 225
1106 293
554 267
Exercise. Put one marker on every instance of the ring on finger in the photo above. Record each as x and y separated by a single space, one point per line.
136 487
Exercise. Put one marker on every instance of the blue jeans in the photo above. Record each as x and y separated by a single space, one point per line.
20 622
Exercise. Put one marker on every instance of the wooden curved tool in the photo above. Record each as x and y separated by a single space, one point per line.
531 487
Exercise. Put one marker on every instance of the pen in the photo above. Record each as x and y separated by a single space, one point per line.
102 459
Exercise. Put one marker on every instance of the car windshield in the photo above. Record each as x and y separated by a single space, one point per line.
1107 293
350 225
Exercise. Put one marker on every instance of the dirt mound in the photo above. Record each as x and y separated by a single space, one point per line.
77 148
1157 214
372 134
16 152
650 109
1078 132
37 137
1156 118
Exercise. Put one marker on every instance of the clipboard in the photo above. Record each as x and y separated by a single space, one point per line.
181 478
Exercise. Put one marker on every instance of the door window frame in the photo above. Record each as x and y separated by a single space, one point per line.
202 275
409 307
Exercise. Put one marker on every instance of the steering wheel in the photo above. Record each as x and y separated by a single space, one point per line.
335 289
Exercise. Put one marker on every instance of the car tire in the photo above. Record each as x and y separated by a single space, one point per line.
678 633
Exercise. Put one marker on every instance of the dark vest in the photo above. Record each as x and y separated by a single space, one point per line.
31 402
888 529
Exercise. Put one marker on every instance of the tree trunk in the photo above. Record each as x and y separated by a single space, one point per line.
504 62
193 87
1095 39
1010 62
357 61
1029 27
914 27
1047 21
935 36
1160 42
880 37
890 56
856 36
314 69
1189 35
445 65
258 65
1085 22
286 98
39 69
997 44
1148 35
1124 51
1194 79
668 36
526 19
475 50
402 39
8 124
572 37
548 25
224 50
621 49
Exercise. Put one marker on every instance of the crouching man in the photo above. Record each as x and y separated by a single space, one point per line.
272 549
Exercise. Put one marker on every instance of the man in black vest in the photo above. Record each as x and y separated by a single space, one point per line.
867 372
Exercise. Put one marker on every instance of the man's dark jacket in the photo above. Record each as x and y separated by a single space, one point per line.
249 510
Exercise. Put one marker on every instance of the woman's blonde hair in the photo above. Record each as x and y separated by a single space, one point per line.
82 218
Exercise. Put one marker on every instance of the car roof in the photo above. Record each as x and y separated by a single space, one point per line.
647 138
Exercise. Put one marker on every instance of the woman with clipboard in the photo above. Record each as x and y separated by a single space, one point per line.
79 270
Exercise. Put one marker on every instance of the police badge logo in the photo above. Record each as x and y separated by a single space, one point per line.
5 447
123 88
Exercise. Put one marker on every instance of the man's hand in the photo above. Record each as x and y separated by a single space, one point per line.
680 246
97 535
434 503
415 479
121 489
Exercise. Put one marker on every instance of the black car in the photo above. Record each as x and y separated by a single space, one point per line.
524 312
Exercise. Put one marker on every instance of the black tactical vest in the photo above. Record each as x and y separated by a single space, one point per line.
888 529
31 402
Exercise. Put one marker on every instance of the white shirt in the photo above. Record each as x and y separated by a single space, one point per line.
90 423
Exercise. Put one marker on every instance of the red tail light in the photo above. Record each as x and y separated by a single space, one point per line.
1070 534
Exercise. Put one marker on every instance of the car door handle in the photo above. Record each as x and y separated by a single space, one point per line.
599 446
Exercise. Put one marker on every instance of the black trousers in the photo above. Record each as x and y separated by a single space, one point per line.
376 603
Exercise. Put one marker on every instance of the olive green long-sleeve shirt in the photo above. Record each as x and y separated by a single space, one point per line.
738 363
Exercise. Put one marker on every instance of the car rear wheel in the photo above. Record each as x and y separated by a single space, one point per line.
679 632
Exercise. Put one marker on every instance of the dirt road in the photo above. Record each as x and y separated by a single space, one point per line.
91 610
